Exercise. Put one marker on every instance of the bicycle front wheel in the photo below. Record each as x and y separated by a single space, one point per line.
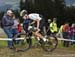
50 44
21 42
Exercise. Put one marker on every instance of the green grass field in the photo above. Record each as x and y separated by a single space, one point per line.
3 43
60 44
37 52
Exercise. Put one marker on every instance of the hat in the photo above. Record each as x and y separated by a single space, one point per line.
9 11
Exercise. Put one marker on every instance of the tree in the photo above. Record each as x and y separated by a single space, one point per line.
48 8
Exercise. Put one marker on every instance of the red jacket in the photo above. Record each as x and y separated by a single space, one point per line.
19 28
66 28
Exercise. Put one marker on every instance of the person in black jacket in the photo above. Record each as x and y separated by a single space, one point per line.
7 23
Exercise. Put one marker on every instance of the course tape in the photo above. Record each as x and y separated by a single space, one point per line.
23 39
11 39
65 39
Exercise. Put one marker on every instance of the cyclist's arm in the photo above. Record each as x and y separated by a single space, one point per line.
33 22
38 23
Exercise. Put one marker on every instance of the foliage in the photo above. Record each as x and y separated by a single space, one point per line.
48 8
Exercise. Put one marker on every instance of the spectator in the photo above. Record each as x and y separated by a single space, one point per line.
66 30
19 27
47 27
53 26
26 24
26 20
7 23
15 25
60 32
16 28
72 34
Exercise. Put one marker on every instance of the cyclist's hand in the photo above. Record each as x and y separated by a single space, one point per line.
29 27
38 29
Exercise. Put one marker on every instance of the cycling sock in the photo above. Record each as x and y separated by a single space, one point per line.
44 39
38 38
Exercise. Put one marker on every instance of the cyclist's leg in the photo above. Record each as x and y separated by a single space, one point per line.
39 36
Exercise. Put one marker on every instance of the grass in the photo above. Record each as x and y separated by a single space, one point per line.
3 43
60 43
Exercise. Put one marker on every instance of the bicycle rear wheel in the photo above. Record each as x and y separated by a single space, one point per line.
23 44
50 44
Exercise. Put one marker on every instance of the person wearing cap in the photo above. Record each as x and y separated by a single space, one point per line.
7 23
35 17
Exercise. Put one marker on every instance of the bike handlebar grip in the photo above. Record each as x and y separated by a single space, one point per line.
29 27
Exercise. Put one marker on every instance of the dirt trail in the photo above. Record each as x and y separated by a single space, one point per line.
38 52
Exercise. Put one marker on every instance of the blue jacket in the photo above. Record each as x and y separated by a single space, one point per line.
26 21
7 21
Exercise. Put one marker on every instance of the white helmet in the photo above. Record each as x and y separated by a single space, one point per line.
23 12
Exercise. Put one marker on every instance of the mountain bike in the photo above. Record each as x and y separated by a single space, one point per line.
26 43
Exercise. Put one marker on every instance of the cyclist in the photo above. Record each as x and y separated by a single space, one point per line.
35 19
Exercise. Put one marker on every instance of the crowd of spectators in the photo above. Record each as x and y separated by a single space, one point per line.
11 26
